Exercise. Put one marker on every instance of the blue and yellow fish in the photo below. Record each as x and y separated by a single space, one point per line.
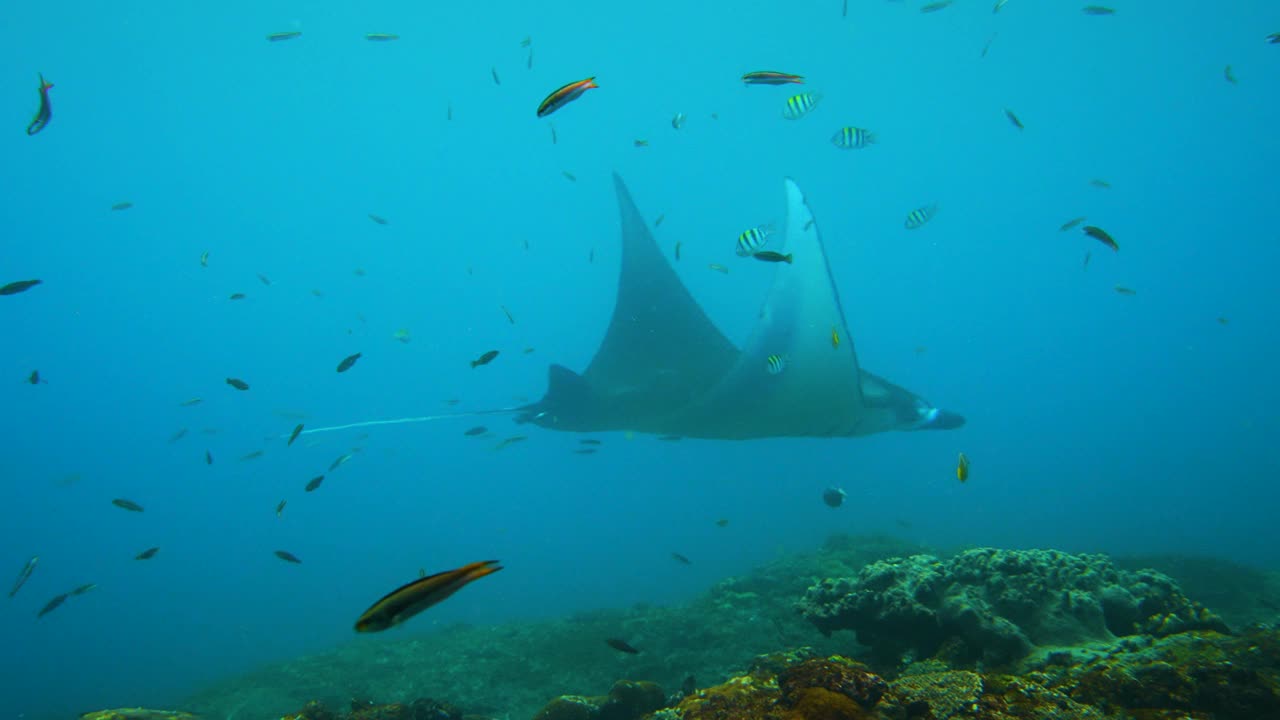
800 105
918 217
775 364
752 241
852 138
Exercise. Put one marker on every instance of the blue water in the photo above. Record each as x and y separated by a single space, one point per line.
1096 421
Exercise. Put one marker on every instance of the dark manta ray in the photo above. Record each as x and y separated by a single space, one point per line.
664 367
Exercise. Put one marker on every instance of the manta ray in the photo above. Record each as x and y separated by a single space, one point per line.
665 368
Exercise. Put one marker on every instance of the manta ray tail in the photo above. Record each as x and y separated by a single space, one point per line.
411 420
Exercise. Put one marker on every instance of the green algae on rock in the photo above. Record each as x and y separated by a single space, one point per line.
997 606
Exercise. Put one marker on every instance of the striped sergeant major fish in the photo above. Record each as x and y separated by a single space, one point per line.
752 241
800 105
852 138
775 364
921 215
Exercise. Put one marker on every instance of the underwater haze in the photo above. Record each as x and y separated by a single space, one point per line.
1121 401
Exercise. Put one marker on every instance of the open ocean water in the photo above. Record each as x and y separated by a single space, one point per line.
1097 421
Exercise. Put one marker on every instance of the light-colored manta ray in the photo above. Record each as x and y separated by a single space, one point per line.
664 367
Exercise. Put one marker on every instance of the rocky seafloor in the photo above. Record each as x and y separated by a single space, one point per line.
867 628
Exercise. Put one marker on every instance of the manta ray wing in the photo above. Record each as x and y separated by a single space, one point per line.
659 352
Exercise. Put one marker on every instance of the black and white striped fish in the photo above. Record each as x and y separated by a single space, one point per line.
752 241
852 138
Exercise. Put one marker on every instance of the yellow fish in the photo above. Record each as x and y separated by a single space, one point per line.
835 338
962 467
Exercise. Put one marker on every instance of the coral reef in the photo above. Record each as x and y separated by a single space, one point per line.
627 700
997 606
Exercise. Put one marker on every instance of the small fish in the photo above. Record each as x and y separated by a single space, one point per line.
277 37
254 455
833 497
853 138
237 296
129 505
1223 321
35 379
1014 119
987 45
1097 10
484 359
936 6
569 176
494 72
677 252
681 559
84 588
208 458
1100 184
553 133
24 575
147 554
621 646
475 431
800 105
835 338
52 605
526 351
280 507
45 112
348 362
297 430
999 4
658 222
528 64
775 364
722 522
343 460
448 113
1088 255
677 120
591 256
359 272
526 42
287 556
182 432
378 219
771 77
402 335
564 95
204 259
719 268
1229 75
264 279
753 240
237 383
585 451
588 441
962 467
921 349
381 37
1101 236
19 286
122 206
507 312
412 598
918 217
191 402
773 257
510 441
1071 223
1125 291
1274 38
314 484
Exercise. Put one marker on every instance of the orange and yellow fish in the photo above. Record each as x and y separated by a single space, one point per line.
565 95
408 600
962 467
835 338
